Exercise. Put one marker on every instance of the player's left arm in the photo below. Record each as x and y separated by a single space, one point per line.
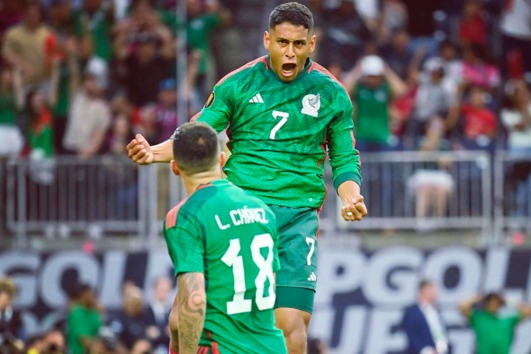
188 313
345 160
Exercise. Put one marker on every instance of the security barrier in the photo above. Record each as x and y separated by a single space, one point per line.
415 191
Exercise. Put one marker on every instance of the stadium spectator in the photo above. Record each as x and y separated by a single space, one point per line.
11 325
166 120
157 313
453 67
30 46
516 117
344 34
61 19
423 324
89 116
473 24
398 54
84 320
431 184
202 19
432 101
129 324
494 329
394 18
477 70
11 101
478 122
144 63
373 86
40 136
65 68
35 344
516 30
93 25
54 343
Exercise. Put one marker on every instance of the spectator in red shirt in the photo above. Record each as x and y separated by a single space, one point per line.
473 26
478 122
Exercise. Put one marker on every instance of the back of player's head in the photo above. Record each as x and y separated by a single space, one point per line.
291 12
195 147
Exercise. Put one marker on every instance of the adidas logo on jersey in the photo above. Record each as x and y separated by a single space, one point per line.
312 277
256 99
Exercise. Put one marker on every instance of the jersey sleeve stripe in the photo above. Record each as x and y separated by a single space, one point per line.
246 66
321 69
171 217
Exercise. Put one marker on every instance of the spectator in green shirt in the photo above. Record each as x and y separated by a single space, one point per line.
373 86
84 321
494 329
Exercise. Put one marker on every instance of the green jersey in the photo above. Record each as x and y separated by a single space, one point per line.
81 322
494 333
280 132
372 106
230 237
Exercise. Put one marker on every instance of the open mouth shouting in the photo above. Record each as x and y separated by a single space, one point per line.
289 70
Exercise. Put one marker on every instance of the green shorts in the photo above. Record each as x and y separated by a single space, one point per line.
297 251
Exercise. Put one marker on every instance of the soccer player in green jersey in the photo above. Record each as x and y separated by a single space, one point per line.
223 244
283 113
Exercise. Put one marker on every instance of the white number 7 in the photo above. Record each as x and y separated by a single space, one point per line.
311 242
278 114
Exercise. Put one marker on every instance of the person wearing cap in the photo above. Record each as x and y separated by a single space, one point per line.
432 102
373 86
493 328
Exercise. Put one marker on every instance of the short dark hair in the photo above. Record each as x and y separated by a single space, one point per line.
494 296
291 12
425 283
195 147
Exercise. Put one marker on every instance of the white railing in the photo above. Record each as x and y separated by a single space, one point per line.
425 191
66 196
403 190
512 193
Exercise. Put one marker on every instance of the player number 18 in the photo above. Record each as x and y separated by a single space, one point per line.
265 265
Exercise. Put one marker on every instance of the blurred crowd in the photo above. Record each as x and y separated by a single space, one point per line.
140 326
435 75
79 77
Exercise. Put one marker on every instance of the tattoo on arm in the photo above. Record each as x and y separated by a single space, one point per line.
191 308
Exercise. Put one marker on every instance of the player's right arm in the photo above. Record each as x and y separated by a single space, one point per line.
216 113
190 305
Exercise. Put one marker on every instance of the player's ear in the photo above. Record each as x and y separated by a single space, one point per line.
267 40
313 39
175 168
222 159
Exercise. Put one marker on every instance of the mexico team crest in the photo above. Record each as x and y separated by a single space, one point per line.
311 105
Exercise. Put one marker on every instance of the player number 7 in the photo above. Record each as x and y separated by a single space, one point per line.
278 114
311 242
